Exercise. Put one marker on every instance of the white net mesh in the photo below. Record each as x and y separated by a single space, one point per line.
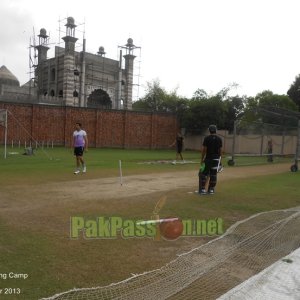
210 270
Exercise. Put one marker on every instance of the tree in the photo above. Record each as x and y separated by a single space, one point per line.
223 94
158 99
261 107
268 99
154 98
203 112
200 94
250 110
219 109
234 107
294 91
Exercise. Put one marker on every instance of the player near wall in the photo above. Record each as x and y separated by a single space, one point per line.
211 157
270 150
179 146
80 143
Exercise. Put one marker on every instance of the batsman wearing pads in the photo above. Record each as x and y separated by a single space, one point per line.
211 156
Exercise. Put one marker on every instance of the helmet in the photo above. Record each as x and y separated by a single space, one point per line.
212 128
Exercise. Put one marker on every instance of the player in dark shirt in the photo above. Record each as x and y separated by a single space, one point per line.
270 150
211 156
179 145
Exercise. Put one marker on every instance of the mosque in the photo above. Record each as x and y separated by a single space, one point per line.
72 78
10 89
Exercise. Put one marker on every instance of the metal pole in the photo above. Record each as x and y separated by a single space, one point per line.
283 134
283 141
120 172
297 154
262 140
5 137
233 140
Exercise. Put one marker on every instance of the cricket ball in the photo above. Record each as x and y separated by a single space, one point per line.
171 230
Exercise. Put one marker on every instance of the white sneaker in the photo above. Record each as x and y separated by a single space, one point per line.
202 192
211 191
76 172
84 170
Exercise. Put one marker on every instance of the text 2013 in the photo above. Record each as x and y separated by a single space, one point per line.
10 291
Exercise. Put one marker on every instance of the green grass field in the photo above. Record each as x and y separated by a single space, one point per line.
35 221
58 163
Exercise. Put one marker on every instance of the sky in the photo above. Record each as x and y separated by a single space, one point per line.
186 45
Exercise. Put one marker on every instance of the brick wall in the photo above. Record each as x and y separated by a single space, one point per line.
105 128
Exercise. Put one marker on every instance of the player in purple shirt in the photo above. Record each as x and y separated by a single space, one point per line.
80 143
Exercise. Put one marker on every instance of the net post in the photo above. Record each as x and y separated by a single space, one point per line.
120 172
297 154
262 140
5 136
233 140
283 134
283 140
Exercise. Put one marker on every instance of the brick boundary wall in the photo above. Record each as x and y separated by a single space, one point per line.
105 128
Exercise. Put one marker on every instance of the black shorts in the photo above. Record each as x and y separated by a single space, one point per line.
179 149
78 151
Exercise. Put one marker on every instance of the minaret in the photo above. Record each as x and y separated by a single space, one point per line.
42 49
129 58
43 45
82 77
117 104
69 94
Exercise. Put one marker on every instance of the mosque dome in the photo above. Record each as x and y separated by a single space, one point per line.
101 51
43 32
70 21
8 78
130 42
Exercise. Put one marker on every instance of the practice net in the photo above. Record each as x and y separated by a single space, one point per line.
212 269
260 143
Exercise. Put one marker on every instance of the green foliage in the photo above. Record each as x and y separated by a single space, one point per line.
219 109
200 94
294 91
261 107
154 98
267 98
250 111
202 109
203 112
234 107
158 99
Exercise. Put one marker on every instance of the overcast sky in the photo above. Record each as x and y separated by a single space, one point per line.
187 45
